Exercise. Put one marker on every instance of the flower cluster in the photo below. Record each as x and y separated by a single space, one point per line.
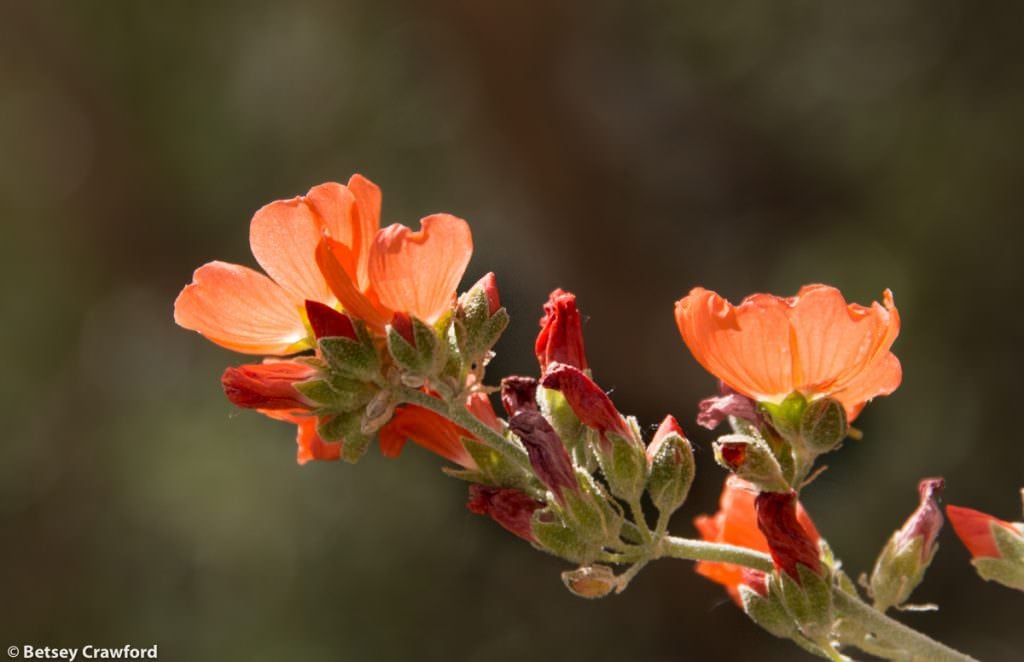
364 338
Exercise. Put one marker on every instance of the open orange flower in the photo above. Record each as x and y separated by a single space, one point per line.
380 272
240 308
735 523
814 343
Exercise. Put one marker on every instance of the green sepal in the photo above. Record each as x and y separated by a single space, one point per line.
808 601
477 329
494 468
768 612
317 390
1008 569
345 428
352 358
576 436
898 571
555 537
786 415
624 465
823 425
426 357
590 512
671 473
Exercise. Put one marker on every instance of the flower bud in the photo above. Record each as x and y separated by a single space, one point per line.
480 320
594 520
510 508
561 333
624 465
752 460
268 385
764 607
345 427
785 417
415 346
823 425
905 558
591 405
548 456
327 322
591 581
791 545
997 546
672 467
518 394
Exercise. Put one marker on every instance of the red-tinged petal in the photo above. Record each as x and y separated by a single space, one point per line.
480 406
590 404
418 272
327 322
402 324
242 310
344 288
790 543
310 445
518 394
561 333
510 508
268 385
429 430
974 528
747 346
283 236
668 426
735 523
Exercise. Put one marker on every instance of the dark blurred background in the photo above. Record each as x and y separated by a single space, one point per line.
624 151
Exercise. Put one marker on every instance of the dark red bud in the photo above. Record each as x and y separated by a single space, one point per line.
548 457
561 333
402 323
267 385
790 544
668 426
490 286
588 401
327 322
510 508
518 394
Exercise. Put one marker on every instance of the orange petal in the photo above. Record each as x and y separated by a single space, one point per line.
353 301
337 213
429 430
368 199
242 310
283 236
311 444
746 346
417 272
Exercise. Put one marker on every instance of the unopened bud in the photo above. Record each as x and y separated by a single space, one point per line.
480 320
547 455
905 558
272 385
591 582
791 545
561 333
765 607
415 346
510 508
672 466
590 514
823 425
624 465
997 546
751 459
591 405
354 357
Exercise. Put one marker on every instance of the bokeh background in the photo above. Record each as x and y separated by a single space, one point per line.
625 151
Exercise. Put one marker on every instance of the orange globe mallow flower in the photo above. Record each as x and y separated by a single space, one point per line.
325 247
815 344
735 523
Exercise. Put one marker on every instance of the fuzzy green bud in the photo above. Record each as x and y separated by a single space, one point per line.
751 459
823 425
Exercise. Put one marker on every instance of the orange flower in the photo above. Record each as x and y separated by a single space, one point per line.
311 445
814 343
394 269
241 309
735 523
974 528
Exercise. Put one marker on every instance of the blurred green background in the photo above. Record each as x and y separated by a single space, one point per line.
624 151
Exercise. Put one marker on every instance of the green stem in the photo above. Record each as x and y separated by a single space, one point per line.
459 415
700 550
893 632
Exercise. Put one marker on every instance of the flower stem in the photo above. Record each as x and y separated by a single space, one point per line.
700 550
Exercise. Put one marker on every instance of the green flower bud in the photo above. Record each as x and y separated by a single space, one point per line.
415 346
624 465
672 467
823 425
353 358
751 459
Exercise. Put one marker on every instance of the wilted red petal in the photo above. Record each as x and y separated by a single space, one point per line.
790 544
548 457
588 401
510 508
518 394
